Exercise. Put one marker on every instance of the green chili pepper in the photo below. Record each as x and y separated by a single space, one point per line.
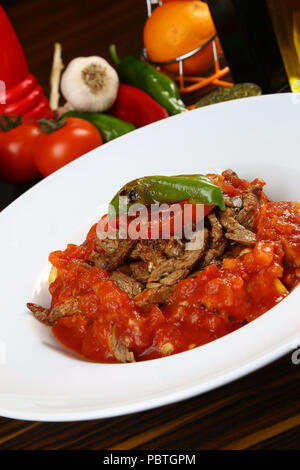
136 72
109 127
167 189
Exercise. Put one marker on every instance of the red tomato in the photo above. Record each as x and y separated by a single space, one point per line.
16 157
74 139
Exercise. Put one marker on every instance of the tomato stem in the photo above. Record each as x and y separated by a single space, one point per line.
8 122
50 125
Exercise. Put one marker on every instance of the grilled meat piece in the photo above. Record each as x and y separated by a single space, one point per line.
235 231
216 230
149 251
174 277
172 270
114 253
217 241
235 202
127 284
50 316
141 270
154 295
168 273
40 313
120 351
174 248
162 269
251 203
152 254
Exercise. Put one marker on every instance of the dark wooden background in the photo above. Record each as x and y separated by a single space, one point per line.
260 411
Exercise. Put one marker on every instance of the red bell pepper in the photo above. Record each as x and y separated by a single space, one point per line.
21 90
23 96
27 103
135 106
13 66
41 110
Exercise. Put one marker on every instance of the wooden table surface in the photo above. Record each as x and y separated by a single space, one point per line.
260 411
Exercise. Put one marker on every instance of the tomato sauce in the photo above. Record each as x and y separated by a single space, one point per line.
201 309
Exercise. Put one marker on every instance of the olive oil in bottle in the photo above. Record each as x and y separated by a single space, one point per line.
285 15
249 43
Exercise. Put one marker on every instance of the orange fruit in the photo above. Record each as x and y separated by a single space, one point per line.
176 28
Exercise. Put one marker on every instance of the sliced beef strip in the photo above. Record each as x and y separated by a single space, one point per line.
174 277
168 273
151 254
114 253
149 251
109 245
217 241
162 269
191 257
50 316
235 231
120 351
245 205
154 295
40 313
174 248
141 270
126 283
251 203
213 255
172 270
155 250
235 202
216 230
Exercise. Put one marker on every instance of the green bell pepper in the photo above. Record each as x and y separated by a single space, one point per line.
134 71
168 189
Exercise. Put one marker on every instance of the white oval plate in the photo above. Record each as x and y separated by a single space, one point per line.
40 379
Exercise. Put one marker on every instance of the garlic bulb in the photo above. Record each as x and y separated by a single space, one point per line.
90 84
